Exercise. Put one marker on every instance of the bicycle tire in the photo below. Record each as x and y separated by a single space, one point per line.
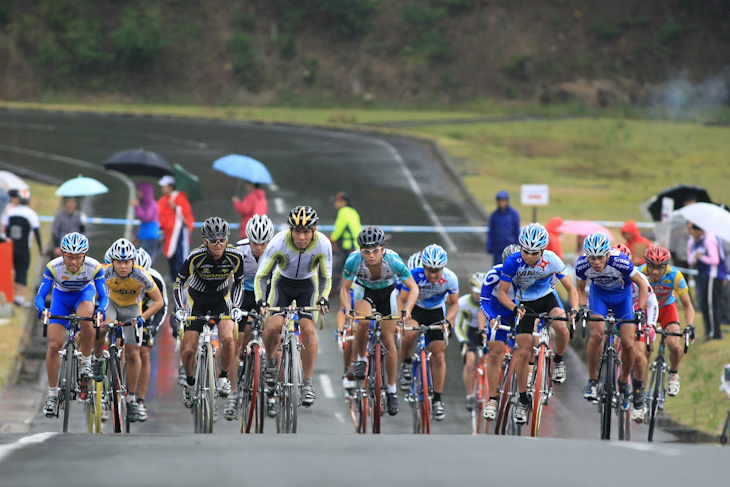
426 403
116 396
510 427
261 408
282 391
89 413
364 408
251 381
210 390
377 387
477 412
609 389
199 396
537 393
504 396
97 406
295 384
655 387
624 417
68 369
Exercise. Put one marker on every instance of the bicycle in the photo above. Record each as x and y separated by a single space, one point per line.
68 370
421 392
251 396
289 368
111 390
657 391
480 390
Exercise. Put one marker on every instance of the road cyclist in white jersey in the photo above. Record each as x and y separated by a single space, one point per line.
370 272
75 280
299 261
468 332
438 287
611 273
259 231
531 273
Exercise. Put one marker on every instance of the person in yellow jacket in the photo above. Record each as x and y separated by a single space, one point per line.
343 237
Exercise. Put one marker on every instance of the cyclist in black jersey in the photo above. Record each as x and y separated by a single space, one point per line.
206 273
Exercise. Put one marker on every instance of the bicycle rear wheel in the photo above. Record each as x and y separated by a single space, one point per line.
118 406
538 389
655 386
376 386
68 384
426 403
606 399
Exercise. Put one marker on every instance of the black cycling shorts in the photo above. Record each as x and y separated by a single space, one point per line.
285 290
473 339
429 317
206 305
544 304
249 303
384 301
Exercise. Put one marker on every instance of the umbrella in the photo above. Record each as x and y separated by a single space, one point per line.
679 193
81 186
188 183
583 228
10 181
709 217
243 167
139 162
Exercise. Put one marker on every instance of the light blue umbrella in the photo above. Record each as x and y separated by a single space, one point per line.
81 186
243 167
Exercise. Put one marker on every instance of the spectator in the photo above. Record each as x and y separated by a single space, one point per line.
706 253
176 223
636 243
504 227
66 220
145 207
18 224
343 237
554 243
254 203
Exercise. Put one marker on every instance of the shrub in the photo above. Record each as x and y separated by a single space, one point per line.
670 31
286 46
606 30
6 8
426 40
85 44
309 75
351 18
138 40
244 59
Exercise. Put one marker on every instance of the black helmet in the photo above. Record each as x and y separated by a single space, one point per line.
215 228
302 217
370 237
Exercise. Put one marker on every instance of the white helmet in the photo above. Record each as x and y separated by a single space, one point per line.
122 249
259 229
143 259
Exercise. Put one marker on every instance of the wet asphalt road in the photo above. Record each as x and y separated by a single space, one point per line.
384 177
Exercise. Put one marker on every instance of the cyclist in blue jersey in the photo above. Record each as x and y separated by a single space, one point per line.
531 273
611 273
75 280
406 375
468 332
370 273
438 286
490 309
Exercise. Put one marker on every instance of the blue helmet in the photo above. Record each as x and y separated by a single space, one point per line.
74 243
597 244
122 249
143 259
108 256
533 238
434 256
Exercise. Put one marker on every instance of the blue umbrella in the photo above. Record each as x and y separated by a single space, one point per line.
243 167
81 186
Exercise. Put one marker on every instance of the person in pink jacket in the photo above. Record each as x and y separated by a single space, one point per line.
254 203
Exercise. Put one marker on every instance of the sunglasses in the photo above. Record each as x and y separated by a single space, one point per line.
656 267
431 270
220 241
372 251
530 253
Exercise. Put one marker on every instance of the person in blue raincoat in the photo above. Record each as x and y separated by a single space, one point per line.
504 227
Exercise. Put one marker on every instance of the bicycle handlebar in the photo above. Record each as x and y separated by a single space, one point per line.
118 324
71 318
299 309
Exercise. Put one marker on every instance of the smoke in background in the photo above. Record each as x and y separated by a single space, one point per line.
682 99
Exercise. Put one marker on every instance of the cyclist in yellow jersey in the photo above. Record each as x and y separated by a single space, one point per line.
126 282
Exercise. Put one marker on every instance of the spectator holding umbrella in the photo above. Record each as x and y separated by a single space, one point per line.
145 208
254 203
18 223
504 227
66 220
176 222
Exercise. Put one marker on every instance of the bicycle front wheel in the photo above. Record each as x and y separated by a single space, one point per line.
655 386
538 389
505 398
426 402
375 385
118 409
68 383
606 399
252 372
210 389
295 377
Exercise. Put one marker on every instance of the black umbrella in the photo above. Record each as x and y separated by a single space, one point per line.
680 194
139 162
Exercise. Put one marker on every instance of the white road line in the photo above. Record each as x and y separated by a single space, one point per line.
327 389
670 452
340 417
178 140
279 204
6 450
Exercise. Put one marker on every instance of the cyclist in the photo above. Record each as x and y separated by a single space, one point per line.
467 331
127 282
203 282
669 284
438 286
611 273
259 231
150 329
491 308
75 279
348 384
370 273
531 273
299 261
406 375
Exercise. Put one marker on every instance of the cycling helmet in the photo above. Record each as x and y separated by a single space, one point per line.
215 228
371 237
122 249
509 250
108 256
623 249
143 258
302 217
476 281
74 243
596 244
434 256
657 255
414 261
259 229
533 238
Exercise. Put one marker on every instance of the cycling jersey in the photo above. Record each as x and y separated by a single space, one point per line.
532 283
392 266
432 296
467 317
672 280
652 305
488 300
616 275
157 318
250 263
284 259
209 278
125 291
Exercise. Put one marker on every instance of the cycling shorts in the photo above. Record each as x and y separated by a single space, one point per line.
285 290
249 303
620 301
125 313
543 305
506 319
384 301
147 340
668 315
213 305
429 317
473 339
63 303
